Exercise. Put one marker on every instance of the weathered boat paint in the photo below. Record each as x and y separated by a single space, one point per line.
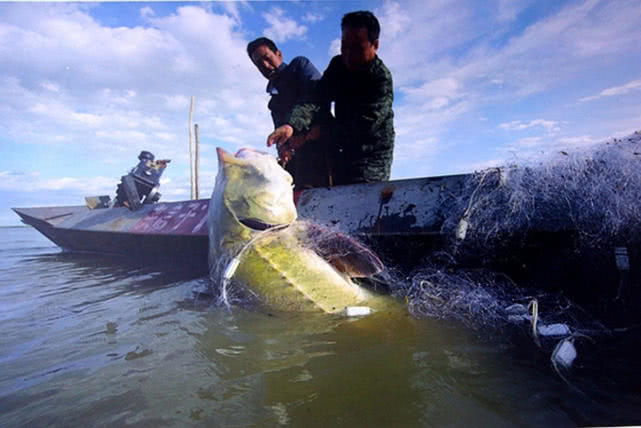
401 207
175 230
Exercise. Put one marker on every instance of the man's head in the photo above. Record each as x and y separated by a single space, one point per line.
265 56
359 41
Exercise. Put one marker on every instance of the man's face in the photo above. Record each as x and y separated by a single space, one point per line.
267 61
356 49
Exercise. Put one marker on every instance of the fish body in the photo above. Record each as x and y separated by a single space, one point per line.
289 265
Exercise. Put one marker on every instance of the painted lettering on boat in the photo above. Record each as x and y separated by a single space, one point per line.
180 218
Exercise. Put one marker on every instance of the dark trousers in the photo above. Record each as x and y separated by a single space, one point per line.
360 169
310 166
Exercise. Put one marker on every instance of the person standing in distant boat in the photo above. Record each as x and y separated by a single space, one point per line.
361 87
289 84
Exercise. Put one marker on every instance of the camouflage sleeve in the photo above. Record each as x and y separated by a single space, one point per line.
376 109
304 114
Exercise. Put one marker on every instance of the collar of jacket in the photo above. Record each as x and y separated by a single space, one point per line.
271 85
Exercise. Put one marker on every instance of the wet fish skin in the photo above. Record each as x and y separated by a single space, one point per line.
281 266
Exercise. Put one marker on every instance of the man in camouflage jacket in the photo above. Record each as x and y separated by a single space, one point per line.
361 87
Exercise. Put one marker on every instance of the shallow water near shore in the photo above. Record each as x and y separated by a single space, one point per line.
93 341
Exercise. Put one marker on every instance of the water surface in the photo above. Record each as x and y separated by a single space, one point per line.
96 341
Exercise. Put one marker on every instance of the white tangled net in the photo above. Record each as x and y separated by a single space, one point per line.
593 191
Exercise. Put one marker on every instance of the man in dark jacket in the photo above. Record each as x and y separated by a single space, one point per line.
288 85
361 87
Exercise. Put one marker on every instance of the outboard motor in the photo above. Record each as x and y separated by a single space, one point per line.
141 185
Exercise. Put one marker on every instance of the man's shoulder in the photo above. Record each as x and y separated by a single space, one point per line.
301 65
299 61
336 61
379 68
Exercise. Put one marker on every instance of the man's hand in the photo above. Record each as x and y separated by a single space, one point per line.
285 152
280 135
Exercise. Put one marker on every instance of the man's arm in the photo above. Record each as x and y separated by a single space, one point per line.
324 92
305 113
308 76
376 109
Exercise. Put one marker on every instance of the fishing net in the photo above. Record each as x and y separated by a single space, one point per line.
476 298
487 301
593 191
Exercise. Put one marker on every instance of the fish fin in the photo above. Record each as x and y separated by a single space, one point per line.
345 253
225 158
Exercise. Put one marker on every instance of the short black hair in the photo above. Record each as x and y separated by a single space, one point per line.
252 46
363 18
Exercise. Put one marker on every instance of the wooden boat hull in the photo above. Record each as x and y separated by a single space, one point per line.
403 219
170 230
402 207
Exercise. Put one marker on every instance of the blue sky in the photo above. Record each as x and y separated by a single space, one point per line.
86 86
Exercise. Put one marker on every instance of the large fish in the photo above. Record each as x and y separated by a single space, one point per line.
256 240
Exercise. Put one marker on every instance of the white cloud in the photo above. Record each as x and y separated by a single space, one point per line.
334 48
103 80
281 28
517 125
611 28
416 122
177 102
634 85
508 10
394 19
11 180
312 17
70 81
483 165
436 93
73 189
458 39
414 34
231 7
131 137
73 87
529 142
50 86
147 12
580 140
419 149
165 136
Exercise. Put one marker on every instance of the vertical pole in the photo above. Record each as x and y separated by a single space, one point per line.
191 149
197 169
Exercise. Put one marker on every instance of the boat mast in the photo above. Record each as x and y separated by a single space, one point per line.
197 164
191 150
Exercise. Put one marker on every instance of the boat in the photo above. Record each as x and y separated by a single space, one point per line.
404 221
178 230
175 230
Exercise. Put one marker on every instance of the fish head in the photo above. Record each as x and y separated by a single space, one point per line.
257 191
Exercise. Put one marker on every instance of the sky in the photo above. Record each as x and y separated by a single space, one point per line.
84 87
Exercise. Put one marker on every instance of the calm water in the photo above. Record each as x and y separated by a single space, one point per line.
93 341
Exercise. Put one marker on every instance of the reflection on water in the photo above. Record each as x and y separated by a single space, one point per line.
92 341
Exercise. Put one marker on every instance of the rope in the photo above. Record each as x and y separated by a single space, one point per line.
233 264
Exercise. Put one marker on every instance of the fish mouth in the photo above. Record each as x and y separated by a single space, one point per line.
256 224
